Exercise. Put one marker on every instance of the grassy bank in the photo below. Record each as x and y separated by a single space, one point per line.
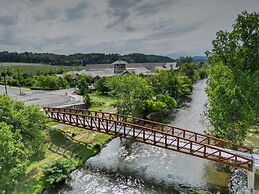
63 142
252 139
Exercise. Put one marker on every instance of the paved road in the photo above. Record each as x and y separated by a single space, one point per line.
55 98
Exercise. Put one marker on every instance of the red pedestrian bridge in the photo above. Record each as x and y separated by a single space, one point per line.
157 134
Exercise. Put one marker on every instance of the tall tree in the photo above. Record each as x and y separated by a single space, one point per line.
233 85
132 91
21 140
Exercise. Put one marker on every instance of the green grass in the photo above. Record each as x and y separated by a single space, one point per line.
18 63
102 102
67 142
252 139
37 69
52 123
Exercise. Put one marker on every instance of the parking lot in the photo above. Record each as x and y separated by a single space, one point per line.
55 98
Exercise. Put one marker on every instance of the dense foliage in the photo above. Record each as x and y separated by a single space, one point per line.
44 78
140 95
79 58
21 139
56 173
233 85
87 101
132 92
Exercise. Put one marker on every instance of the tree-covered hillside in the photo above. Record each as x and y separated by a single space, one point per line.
79 58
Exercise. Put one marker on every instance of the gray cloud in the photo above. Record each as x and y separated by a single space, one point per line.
120 10
9 38
48 13
175 30
36 2
154 6
76 12
8 20
172 27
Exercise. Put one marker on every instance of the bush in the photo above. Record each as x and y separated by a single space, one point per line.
203 72
101 85
57 173
168 100
87 101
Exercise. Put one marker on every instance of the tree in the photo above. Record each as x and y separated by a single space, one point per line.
161 103
233 82
58 172
132 92
21 140
49 82
13 159
101 85
27 123
171 83
183 60
168 100
87 101
189 70
165 82
83 84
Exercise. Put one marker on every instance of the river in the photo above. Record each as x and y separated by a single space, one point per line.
125 167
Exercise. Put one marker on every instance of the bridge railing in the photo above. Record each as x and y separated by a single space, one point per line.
152 136
184 133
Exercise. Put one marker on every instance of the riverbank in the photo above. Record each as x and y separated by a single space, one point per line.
63 143
252 139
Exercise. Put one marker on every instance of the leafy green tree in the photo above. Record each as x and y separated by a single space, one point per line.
71 79
57 173
154 106
168 100
233 82
132 92
101 85
62 83
13 157
87 101
49 82
83 84
165 82
21 140
27 123
190 71
185 85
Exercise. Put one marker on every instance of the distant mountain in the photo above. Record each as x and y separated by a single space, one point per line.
198 58
80 58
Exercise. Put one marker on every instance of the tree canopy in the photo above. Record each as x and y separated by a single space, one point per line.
233 84
21 139
79 58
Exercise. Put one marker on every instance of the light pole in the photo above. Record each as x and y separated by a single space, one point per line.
19 82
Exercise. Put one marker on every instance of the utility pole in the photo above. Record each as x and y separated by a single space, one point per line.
3 74
5 84
19 82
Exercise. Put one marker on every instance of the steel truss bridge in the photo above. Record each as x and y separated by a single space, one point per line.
157 134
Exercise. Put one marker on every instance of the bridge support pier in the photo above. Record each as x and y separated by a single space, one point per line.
251 180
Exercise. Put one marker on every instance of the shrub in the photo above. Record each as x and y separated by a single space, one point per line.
87 101
57 173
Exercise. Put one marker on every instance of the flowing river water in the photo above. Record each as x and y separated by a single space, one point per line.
125 167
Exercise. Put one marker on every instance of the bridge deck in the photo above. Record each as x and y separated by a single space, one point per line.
156 134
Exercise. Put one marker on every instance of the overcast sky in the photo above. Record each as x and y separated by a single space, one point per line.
166 27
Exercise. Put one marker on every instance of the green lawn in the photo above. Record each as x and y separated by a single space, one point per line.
37 69
66 142
102 102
